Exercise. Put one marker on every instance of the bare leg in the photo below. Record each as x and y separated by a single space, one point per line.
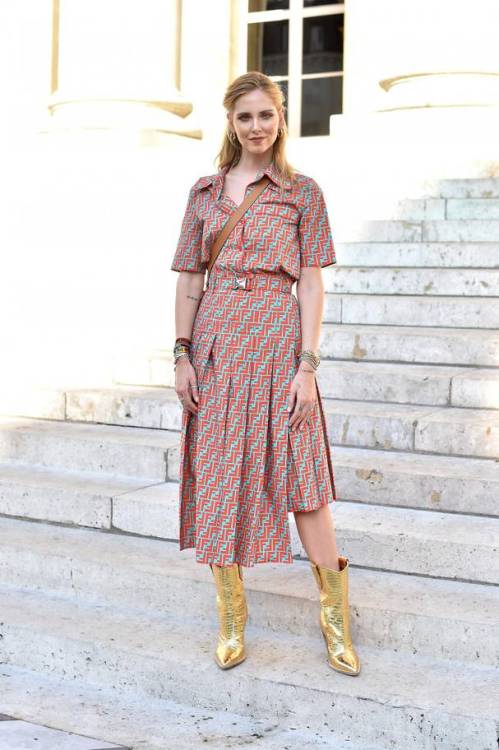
317 533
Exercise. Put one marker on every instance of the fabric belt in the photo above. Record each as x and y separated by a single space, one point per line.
225 279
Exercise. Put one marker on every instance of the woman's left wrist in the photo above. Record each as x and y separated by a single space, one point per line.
305 366
311 358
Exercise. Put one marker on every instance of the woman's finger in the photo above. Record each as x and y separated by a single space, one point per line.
194 388
187 400
298 414
293 415
189 404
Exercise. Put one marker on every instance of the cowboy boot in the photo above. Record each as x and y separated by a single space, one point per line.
233 613
334 616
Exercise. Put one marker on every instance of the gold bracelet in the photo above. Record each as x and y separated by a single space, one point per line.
309 356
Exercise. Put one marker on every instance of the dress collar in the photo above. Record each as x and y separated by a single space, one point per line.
271 171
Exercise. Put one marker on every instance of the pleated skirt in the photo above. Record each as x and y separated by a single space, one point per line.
242 469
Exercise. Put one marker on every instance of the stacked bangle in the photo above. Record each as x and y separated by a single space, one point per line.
311 357
182 347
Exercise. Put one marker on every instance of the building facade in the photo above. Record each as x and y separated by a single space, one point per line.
115 107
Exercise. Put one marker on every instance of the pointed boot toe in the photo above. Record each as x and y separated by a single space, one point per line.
229 653
347 661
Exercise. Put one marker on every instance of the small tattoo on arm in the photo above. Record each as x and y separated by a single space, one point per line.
191 297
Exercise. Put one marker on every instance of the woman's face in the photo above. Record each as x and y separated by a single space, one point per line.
255 121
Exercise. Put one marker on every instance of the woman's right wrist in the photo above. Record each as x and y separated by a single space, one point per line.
180 359
181 349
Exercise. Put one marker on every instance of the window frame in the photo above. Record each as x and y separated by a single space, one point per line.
295 16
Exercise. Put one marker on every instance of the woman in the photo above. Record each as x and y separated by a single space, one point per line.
254 444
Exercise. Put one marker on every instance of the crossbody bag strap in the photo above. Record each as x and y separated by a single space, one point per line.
234 218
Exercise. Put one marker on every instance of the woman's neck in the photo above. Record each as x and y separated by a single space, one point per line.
250 164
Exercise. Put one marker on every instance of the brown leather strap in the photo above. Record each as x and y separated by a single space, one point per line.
234 218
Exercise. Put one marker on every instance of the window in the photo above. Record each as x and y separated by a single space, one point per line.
299 44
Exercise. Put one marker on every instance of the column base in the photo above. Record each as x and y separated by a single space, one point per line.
132 114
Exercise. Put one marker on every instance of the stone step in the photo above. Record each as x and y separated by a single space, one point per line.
471 432
390 610
469 208
379 230
393 382
412 310
478 388
396 383
390 426
418 481
406 541
411 344
402 540
362 380
79 498
410 384
117 451
472 282
416 254
18 734
133 404
404 209
32 401
421 209
144 454
372 381
414 329
407 427
284 677
460 230
138 721
427 230
478 187
390 343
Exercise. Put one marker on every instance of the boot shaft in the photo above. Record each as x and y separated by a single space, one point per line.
231 598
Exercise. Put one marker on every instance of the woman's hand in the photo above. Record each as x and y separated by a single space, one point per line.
303 395
186 386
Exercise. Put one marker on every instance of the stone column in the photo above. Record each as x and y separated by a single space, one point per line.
420 53
421 96
24 71
452 60
117 67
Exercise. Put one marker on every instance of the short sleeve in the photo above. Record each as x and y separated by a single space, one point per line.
188 253
316 241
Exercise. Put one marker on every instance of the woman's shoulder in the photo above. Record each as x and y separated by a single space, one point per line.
306 187
204 181
304 180
195 189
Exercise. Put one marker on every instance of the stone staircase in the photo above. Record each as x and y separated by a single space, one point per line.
96 597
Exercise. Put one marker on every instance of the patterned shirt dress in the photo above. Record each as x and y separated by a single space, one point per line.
242 469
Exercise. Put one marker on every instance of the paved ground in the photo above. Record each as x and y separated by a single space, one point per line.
22 735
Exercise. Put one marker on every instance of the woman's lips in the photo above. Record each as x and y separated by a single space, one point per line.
257 139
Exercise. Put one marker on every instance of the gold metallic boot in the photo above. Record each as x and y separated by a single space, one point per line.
233 613
334 616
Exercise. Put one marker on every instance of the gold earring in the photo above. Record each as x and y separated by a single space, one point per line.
232 137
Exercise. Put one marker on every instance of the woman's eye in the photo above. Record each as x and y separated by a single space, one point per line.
266 116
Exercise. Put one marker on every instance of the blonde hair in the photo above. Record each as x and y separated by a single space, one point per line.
230 153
